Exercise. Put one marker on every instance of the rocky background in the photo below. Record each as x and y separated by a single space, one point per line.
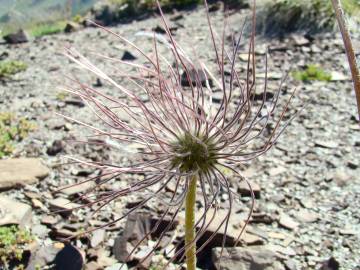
307 186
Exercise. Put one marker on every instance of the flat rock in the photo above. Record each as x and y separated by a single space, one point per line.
216 228
117 266
21 171
248 258
287 222
194 77
98 237
244 190
339 77
13 212
306 216
63 205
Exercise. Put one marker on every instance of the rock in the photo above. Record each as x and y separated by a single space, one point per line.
128 56
71 27
276 170
42 257
244 189
98 83
195 76
326 144
142 252
262 95
49 220
341 178
315 49
248 258
21 171
69 258
55 148
287 222
105 13
75 102
330 264
244 57
300 40
290 264
347 231
236 223
98 236
137 226
104 259
80 187
339 77
13 212
39 230
92 266
160 29
15 38
62 205
214 7
306 216
3 56
270 76
117 266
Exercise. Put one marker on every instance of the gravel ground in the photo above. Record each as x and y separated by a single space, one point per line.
309 182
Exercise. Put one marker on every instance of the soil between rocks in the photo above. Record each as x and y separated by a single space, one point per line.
309 181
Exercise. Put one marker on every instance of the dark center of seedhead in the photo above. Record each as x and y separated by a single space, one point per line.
193 153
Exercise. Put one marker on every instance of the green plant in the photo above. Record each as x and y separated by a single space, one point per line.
12 130
312 73
78 18
12 243
8 68
61 96
47 28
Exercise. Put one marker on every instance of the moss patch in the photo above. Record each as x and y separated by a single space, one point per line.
47 28
8 68
12 244
12 130
312 73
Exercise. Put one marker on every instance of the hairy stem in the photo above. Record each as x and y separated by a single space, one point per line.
190 225
349 50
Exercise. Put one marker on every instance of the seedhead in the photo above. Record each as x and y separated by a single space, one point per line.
187 138
193 154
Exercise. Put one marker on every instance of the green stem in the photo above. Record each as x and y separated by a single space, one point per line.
190 225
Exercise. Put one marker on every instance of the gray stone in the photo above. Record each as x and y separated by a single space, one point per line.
13 212
15 38
249 258
63 205
306 216
244 190
287 222
117 266
21 171
97 238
